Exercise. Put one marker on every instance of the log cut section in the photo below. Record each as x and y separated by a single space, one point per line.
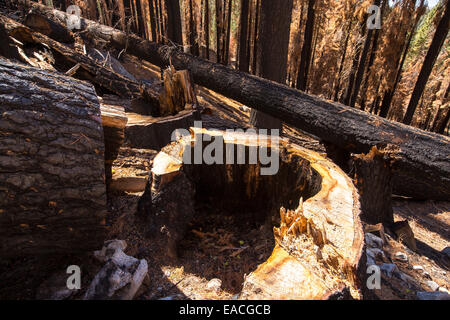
52 181
312 205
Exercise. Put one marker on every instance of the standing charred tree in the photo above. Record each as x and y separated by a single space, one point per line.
341 65
244 57
305 60
362 63
272 53
253 39
389 94
430 59
351 79
205 29
369 66
174 20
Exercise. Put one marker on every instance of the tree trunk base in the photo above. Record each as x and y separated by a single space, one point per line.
310 201
372 177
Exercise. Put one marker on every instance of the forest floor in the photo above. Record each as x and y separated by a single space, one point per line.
222 251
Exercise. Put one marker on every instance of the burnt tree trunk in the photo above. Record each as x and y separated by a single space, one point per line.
273 44
362 63
174 21
421 168
244 58
435 47
372 177
305 59
52 181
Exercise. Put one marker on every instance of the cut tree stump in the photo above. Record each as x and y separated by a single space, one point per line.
319 236
373 178
421 168
52 181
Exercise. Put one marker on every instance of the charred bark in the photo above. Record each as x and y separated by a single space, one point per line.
272 52
52 181
372 177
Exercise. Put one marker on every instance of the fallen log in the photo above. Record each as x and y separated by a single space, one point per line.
171 106
319 237
167 99
52 183
421 166
92 71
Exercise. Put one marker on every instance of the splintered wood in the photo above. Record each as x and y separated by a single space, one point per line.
178 92
318 240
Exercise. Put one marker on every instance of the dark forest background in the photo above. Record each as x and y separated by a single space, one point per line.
324 47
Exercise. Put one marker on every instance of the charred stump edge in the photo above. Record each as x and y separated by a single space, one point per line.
335 209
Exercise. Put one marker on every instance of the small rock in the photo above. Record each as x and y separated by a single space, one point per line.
401 256
423 295
244 108
373 241
121 276
433 285
418 268
373 254
214 284
109 249
442 289
389 269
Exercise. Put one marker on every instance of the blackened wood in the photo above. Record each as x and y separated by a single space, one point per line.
372 177
52 176
53 29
